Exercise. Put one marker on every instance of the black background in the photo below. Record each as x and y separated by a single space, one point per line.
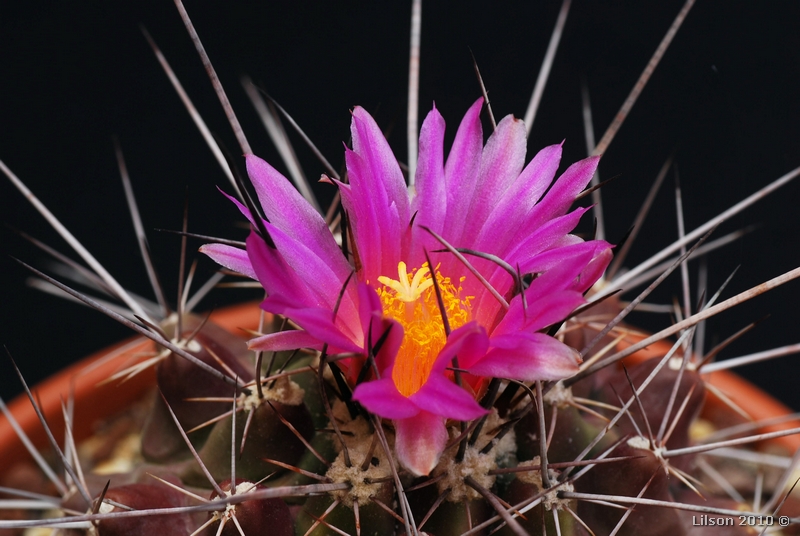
72 75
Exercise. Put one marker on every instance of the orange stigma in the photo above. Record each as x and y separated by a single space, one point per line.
411 301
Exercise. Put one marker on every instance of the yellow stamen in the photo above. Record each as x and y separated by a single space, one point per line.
411 301
408 292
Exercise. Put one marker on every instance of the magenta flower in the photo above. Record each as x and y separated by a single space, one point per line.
479 199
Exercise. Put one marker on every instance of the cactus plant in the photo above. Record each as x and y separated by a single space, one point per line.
422 370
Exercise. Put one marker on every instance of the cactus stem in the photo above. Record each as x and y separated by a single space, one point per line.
435 506
298 470
678 414
357 516
211 421
327 403
524 468
642 412
405 508
577 518
180 489
425 483
370 452
629 511
196 456
99 501
494 501
246 431
586 409
321 519
233 441
388 510
687 479
299 436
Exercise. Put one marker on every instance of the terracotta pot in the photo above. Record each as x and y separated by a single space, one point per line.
95 400
759 404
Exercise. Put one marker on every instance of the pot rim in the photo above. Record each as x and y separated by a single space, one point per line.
95 398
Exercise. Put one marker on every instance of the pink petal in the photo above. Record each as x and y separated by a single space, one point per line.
469 343
443 397
275 275
431 197
420 441
563 193
379 198
231 258
287 210
501 162
575 267
594 270
368 303
549 236
539 173
371 314
293 270
546 237
322 283
540 313
382 398
559 267
462 168
242 208
284 340
508 214
528 357
378 226
318 322
369 143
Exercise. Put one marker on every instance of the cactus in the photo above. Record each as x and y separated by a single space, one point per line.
444 359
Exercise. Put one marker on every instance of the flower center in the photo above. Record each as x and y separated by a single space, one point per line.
411 301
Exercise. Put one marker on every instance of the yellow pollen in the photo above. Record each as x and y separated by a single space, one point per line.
411 301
